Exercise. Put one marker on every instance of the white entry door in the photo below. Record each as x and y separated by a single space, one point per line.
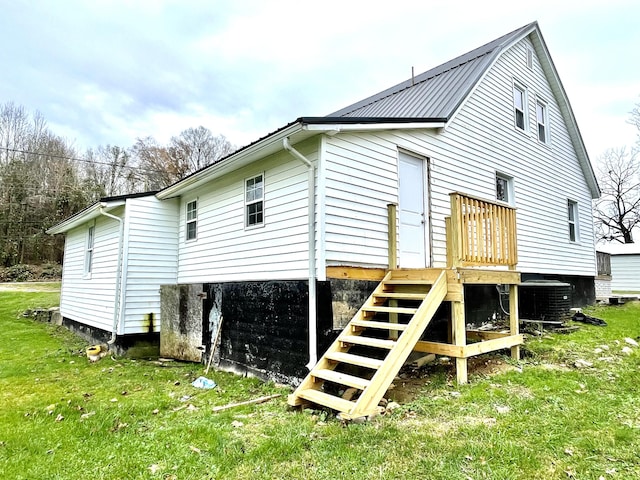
411 213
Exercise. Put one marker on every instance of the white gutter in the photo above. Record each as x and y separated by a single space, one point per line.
313 328
367 127
119 290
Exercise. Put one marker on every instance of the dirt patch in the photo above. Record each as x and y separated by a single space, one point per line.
411 381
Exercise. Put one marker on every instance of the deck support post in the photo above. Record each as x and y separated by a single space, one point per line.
392 231
459 339
514 320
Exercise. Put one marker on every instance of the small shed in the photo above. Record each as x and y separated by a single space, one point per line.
625 265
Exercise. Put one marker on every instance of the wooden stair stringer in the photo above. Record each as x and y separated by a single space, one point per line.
368 401
338 346
372 390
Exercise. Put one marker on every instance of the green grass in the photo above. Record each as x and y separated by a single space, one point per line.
64 418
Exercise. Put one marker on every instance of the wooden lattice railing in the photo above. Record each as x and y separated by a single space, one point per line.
481 233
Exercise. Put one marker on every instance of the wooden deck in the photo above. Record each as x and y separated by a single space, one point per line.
373 347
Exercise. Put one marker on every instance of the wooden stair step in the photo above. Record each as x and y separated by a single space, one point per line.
406 310
341 378
403 281
381 325
401 296
352 359
331 401
367 341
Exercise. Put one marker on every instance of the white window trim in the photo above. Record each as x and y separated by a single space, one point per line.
547 129
89 251
576 223
525 105
187 220
247 203
510 190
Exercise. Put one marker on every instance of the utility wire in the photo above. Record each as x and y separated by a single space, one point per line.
85 160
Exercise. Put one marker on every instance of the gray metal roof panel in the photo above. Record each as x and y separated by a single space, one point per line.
437 92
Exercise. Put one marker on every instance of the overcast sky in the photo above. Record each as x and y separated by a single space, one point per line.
107 72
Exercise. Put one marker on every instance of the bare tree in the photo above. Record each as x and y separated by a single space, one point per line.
617 211
110 171
196 148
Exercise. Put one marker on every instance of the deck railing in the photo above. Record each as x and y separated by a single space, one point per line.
481 233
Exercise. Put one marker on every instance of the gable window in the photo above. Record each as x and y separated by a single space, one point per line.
520 107
543 122
572 214
254 201
529 58
504 188
192 220
88 256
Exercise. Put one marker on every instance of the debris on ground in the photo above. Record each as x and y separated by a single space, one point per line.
581 317
203 382
248 402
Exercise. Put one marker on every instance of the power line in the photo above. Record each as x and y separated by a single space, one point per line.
85 160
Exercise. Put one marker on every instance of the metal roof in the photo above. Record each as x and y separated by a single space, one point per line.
438 92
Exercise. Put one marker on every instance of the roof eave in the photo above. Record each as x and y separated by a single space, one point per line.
89 213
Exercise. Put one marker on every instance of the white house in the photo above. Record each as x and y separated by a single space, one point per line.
289 231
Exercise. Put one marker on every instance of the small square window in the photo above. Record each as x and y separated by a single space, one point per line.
254 201
542 118
572 215
192 220
504 188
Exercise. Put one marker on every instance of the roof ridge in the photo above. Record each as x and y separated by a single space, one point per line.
488 48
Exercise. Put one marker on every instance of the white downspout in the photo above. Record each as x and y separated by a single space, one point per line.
313 329
118 293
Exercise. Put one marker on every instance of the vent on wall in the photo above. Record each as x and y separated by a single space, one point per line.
544 300
530 58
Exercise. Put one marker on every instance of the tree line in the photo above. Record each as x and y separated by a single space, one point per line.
44 179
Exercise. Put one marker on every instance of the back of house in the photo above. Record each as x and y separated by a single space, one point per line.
287 237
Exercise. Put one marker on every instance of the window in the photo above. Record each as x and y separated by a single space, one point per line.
192 220
254 201
504 188
529 58
88 256
520 107
543 122
572 213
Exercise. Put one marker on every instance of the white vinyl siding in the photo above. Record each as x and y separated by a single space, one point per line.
90 300
624 273
481 140
278 250
151 238
150 243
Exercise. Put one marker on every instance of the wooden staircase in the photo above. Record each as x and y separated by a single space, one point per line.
374 345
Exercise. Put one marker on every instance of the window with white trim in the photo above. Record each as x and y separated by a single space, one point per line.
191 220
520 107
504 188
88 255
254 201
572 215
542 118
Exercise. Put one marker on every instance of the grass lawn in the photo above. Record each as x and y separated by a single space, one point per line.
62 417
